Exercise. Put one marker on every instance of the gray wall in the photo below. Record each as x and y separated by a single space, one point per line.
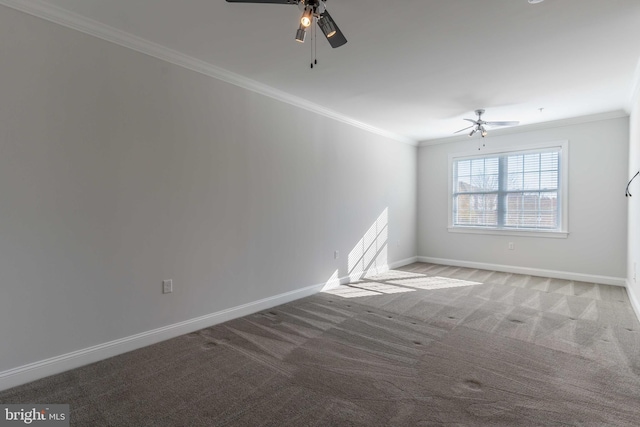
597 207
633 205
118 170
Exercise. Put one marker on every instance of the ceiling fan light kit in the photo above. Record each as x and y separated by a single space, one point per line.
327 25
312 10
306 18
301 34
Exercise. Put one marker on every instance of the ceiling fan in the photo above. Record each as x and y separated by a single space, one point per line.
479 124
312 10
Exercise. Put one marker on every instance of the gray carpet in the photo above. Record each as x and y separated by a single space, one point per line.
428 345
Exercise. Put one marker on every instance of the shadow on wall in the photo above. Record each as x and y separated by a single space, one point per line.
369 256
368 260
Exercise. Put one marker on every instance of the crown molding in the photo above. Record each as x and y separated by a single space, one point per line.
94 28
533 127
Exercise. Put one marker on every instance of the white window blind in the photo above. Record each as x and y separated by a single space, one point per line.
518 190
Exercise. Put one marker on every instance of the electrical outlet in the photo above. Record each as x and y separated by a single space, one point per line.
512 246
167 286
336 254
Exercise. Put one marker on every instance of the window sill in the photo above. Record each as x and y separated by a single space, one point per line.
502 232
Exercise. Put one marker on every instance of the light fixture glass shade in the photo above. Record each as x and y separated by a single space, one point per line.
327 27
301 34
306 19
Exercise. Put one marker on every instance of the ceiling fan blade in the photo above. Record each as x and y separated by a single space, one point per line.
502 123
264 1
462 130
337 39
472 121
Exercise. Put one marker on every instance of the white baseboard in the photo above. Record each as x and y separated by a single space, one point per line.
384 268
403 262
633 298
76 359
55 365
566 275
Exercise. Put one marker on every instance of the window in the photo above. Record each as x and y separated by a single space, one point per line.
520 191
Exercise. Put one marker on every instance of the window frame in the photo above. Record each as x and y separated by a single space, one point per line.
563 191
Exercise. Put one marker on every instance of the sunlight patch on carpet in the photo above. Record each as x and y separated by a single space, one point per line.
434 283
384 288
366 289
394 275
351 292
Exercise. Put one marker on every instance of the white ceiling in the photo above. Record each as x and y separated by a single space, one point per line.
413 68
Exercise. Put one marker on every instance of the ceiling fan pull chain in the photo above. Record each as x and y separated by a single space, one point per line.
312 40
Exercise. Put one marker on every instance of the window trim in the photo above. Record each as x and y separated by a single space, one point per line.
563 187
